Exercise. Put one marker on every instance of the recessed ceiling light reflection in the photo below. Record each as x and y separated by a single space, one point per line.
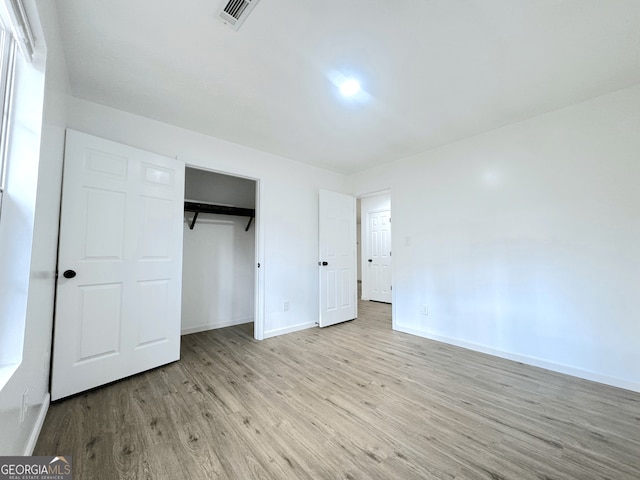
350 87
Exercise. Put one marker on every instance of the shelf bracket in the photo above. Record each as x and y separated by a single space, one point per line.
248 224
193 221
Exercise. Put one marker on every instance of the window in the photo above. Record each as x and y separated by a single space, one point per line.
21 97
7 54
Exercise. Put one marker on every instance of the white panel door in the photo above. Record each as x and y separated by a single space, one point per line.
337 261
379 259
119 262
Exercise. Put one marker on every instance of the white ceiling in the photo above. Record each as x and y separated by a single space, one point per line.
434 71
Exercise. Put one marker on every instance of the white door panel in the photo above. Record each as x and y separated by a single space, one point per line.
337 258
379 260
121 233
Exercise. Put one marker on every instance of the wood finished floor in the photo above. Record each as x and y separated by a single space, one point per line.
354 401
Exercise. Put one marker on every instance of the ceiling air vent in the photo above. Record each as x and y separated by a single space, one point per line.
234 12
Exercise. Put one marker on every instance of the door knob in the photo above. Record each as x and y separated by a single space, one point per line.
69 274
370 260
324 264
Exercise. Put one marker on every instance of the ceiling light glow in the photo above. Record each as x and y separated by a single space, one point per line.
350 87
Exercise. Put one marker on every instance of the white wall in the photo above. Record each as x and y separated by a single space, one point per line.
288 204
217 273
32 233
212 187
525 241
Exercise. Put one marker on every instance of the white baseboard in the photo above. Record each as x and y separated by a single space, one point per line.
212 326
533 361
294 328
35 433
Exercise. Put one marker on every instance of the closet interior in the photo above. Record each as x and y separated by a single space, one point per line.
218 276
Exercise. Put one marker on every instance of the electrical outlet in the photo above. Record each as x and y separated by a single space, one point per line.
25 405
425 309
285 306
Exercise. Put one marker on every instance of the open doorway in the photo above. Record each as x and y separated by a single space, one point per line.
375 253
219 287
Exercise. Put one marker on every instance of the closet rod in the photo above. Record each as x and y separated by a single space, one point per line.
198 207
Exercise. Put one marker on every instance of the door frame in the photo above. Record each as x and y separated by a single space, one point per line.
258 289
360 196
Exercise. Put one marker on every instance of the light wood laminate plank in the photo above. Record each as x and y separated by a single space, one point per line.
353 401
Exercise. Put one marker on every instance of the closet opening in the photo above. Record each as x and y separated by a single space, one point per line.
219 252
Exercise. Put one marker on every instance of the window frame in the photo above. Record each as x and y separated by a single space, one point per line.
7 74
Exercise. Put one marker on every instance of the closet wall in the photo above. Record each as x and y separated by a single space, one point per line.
219 255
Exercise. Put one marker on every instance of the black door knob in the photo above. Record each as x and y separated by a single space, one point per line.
324 264
69 274
370 260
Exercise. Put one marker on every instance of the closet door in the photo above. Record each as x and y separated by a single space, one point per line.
119 264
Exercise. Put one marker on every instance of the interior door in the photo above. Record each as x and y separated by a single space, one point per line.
337 262
379 259
119 263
